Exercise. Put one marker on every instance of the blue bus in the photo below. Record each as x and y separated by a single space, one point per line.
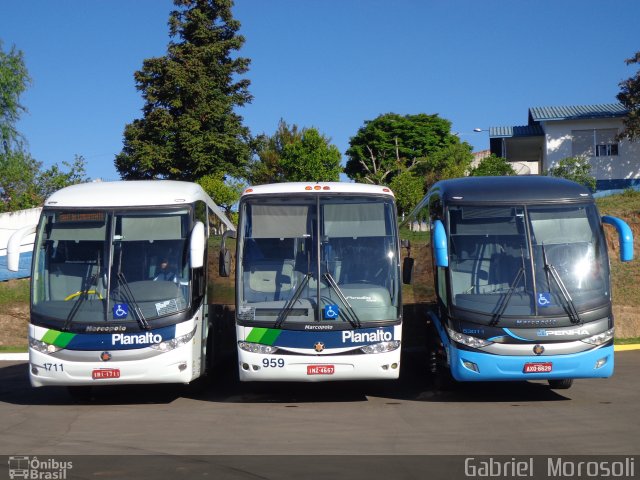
522 281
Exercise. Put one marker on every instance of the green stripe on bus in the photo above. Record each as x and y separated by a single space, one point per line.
59 339
256 334
265 336
270 336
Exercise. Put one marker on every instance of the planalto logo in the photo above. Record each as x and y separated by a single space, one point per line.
141 339
349 336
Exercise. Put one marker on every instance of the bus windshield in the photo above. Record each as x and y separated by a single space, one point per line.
93 266
527 261
318 259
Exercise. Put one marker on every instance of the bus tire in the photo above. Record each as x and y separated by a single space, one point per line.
560 384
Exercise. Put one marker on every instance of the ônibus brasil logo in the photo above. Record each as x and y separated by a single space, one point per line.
34 468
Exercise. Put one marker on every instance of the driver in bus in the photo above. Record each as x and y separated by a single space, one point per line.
165 271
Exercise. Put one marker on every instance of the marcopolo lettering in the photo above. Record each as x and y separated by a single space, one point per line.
349 336
141 339
105 329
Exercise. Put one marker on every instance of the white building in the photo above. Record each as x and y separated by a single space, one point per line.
555 133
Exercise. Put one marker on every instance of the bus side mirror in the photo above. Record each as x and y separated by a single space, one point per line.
224 265
440 249
625 236
14 244
407 270
197 245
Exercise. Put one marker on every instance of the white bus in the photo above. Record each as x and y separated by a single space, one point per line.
119 284
317 283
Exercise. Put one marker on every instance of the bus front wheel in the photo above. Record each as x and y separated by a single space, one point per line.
560 384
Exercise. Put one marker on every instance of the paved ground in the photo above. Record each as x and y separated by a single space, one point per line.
594 417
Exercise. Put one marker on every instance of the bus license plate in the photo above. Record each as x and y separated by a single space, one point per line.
321 369
541 367
105 373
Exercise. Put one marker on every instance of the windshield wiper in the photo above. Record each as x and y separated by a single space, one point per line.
505 300
350 313
570 307
130 298
84 294
284 313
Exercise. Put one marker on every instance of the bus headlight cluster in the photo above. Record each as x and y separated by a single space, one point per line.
174 343
257 347
600 338
467 340
381 347
43 347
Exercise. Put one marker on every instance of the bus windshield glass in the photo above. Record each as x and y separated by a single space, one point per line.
110 266
527 261
318 259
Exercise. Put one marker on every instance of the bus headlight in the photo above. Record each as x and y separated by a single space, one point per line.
42 347
257 348
600 338
381 347
174 343
467 340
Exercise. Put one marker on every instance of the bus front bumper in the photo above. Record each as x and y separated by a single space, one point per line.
469 366
175 366
302 368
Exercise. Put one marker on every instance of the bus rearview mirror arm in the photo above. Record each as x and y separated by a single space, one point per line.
440 249
625 236
197 245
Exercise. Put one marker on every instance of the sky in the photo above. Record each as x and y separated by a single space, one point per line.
328 64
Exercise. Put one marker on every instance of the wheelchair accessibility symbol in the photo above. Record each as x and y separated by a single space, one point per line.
331 312
120 310
544 299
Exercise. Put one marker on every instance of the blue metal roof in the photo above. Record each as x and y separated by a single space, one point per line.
522 131
605 110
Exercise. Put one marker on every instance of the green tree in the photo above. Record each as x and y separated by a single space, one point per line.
225 193
293 154
577 169
14 80
390 143
18 181
55 178
629 96
267 167
311 158
408 189
190 127
450 161
492 166
22 183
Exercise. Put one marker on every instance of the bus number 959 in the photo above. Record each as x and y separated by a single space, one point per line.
273 362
